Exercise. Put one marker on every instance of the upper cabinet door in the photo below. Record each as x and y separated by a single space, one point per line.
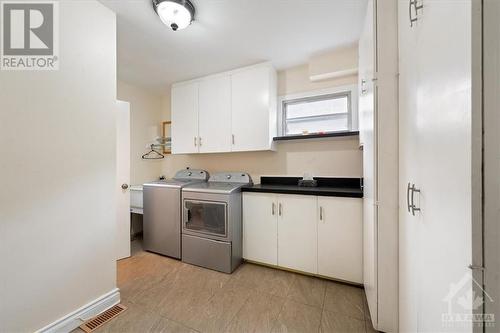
340 238
253 108
215 114
297 232
185 118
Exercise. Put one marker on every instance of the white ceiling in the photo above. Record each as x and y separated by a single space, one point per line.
228 34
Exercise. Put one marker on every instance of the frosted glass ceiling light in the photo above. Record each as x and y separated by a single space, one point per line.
177 14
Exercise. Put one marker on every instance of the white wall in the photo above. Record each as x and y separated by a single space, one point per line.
145 109
323 157
296 80
342 61
57 175
338 157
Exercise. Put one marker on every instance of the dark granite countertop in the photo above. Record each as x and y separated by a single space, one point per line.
316 136
336 187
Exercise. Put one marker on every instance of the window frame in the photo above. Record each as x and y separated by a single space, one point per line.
343 91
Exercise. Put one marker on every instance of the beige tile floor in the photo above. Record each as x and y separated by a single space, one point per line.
166 295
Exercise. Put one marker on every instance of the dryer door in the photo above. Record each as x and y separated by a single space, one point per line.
205 217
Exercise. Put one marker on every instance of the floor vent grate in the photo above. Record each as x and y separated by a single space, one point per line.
101 319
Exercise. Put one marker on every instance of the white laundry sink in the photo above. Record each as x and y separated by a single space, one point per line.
136 204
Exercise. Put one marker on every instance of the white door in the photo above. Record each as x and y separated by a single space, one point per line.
435 152
409 167
340 238
215 114
260 227
444 138
251 109
122 179
297 232
367 139
185 118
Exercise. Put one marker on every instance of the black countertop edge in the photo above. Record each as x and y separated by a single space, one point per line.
327 186
315 136
316 191
355 183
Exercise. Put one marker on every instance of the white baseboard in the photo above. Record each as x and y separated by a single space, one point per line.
89 310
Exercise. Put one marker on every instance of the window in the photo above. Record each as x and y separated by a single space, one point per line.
317 114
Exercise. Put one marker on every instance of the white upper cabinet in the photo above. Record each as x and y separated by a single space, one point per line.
340 238
185 118
231 111
254 108
215 114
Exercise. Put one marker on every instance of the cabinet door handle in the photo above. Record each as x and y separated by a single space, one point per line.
321 213
416 7
408 188
232 138
199 141
279 209
195 141
272 209
412 19
413 207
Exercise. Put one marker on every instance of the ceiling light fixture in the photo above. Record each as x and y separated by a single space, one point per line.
177 14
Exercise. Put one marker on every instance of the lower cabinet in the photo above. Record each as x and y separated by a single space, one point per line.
297 232
340 238
317 235
260 228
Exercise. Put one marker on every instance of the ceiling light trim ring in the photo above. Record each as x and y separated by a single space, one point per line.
186 4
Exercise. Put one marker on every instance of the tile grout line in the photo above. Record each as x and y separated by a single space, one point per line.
161 316
321 321
367 317
279 314
323 309
290 286
324 297
170 319
235 315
